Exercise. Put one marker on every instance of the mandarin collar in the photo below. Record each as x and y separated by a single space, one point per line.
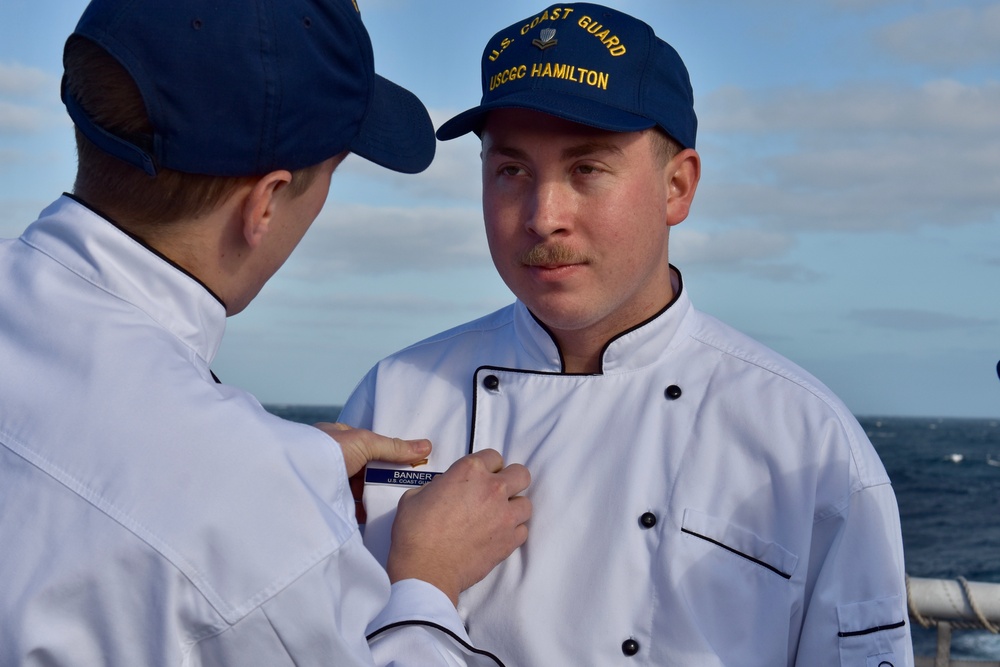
632 349
94 248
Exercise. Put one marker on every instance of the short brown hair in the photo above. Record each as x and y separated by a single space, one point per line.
664 146
110 97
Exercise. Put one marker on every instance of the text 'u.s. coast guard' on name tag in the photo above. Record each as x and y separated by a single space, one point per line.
399 477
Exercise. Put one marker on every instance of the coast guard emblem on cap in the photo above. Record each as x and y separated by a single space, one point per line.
547 39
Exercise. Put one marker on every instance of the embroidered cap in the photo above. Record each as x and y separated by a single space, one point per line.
241 88
588 64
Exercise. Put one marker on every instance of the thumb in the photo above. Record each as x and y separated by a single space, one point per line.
361 446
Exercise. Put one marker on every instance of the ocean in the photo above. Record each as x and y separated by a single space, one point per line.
946 474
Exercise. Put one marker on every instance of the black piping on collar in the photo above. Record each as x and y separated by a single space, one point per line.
562 361
503 369
138 239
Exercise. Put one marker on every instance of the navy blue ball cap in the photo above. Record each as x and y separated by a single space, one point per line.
244 87
588 64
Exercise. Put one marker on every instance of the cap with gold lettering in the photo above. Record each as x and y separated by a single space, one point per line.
588 64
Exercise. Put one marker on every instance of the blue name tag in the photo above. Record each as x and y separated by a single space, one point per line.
398 477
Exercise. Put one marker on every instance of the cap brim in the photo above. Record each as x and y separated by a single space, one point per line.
397 132
576 109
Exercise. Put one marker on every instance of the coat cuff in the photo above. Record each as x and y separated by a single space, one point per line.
415 600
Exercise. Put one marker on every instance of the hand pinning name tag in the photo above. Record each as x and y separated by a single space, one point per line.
411 478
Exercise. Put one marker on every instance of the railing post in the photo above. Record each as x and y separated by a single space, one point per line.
943 658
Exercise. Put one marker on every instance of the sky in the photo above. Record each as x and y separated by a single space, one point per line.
848 214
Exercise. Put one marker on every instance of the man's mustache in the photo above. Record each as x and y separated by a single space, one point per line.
551 255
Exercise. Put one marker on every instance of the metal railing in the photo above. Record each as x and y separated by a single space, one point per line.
953 604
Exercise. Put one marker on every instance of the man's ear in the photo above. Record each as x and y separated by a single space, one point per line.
683 172
259 205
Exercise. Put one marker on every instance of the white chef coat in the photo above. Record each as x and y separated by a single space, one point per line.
700 502
148 514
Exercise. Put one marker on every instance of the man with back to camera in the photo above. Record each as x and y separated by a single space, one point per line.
150 515
698 500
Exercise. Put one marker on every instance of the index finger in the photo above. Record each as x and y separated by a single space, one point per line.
489 458
516 478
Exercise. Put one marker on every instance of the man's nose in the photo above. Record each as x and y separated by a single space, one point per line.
549 210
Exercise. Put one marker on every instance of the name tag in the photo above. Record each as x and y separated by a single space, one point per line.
412 478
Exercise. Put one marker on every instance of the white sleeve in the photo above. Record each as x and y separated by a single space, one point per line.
420 627
320 620
856 613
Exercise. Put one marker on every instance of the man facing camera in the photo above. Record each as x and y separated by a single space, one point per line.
698 499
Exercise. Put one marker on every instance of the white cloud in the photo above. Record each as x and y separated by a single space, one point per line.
18 80
354 238
9 157
905 319
860 4
952 37
941 106
749 252
454 174
30 88
728 246
456 171
16 119
329 307
379 4
18 213
858 157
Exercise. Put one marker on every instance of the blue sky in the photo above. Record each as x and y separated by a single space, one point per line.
847 216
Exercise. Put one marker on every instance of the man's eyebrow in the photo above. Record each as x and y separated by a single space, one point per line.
591 148
506 151
576 151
